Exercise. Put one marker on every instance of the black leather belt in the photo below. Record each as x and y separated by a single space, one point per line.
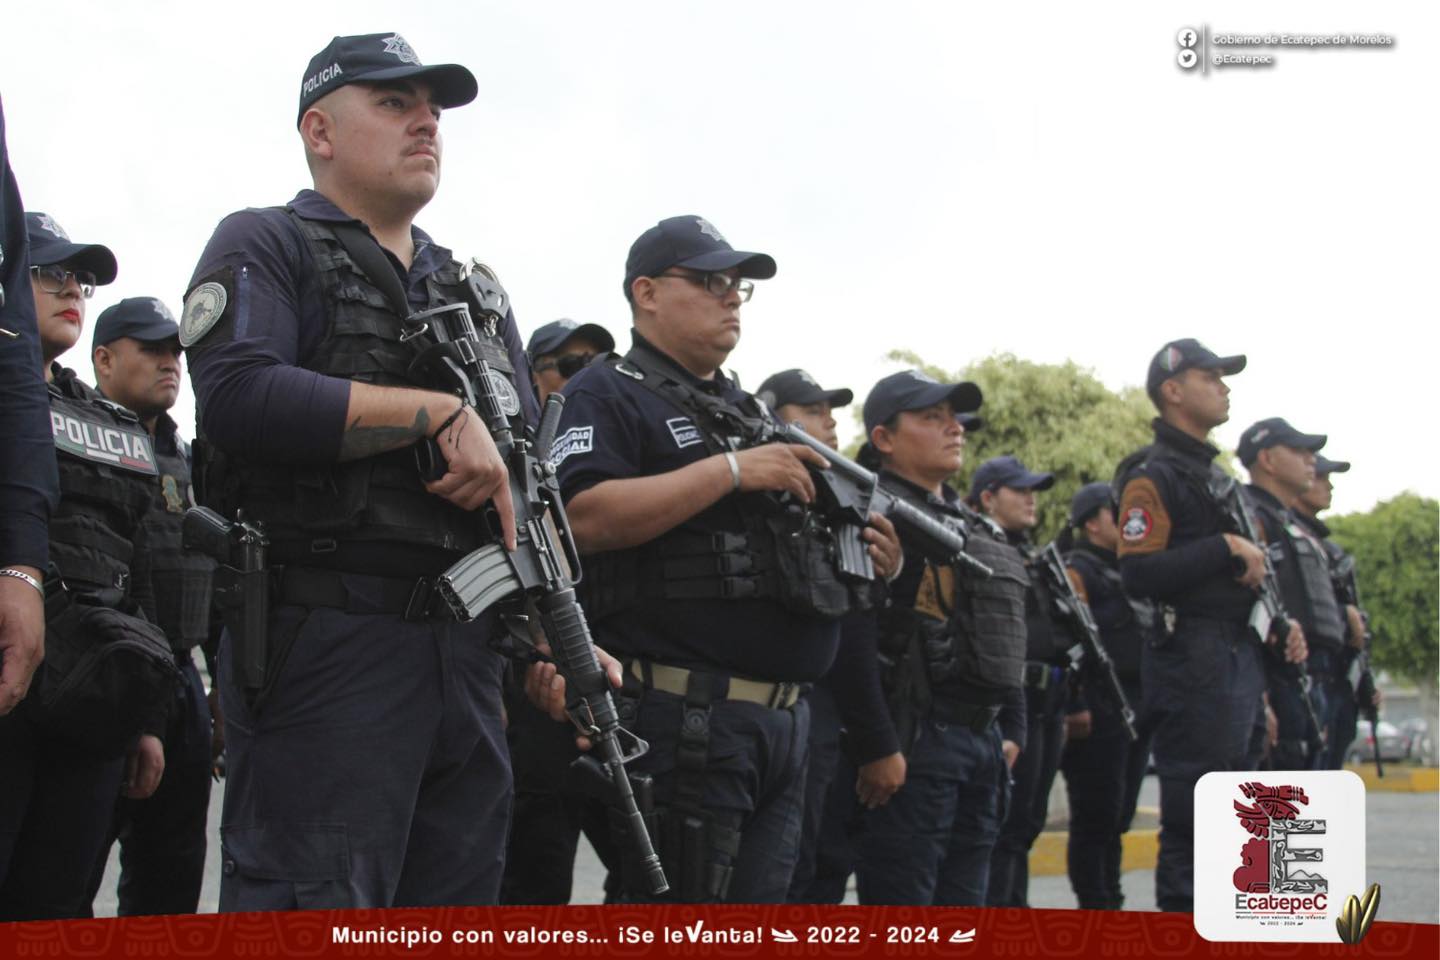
969 715
415 600
1042 676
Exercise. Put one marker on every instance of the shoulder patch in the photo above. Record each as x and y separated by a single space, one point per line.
574 440
1144 521
203 309
684 432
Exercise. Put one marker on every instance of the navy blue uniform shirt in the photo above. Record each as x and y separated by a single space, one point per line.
613 429
29 483
253 397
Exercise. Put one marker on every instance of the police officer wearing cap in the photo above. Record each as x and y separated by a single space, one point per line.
703 567
548 818
1341 687
368 768
950 648
1203 677
873 767
561 348
28 486
136 352
1281 463
1003 490
1103 768
62 776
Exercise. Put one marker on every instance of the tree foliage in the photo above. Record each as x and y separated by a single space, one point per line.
1056 419
1395 546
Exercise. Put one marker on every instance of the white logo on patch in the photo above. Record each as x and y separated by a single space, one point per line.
505 393
403 52
203 309
684 432
574 440
708 228
48 224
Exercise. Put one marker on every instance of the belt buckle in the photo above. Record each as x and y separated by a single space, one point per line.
783 696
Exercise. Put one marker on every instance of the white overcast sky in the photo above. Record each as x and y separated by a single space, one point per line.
1040 178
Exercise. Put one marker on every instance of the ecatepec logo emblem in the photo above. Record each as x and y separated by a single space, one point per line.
1276 853
708 228
48 224
396 46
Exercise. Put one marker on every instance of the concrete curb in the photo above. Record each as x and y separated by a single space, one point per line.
1398 779
1138 851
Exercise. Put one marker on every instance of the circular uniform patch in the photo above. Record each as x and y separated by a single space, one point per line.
203 309
1137 525
505 391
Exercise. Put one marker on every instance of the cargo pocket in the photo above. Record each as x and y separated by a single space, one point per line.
285 866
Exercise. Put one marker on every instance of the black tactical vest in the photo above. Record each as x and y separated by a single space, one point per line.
312 511
1320 616
784 553
181 578
107 471
1126 624
980 639
1046 639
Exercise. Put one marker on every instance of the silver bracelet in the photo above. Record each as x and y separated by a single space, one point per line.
734 470
22 575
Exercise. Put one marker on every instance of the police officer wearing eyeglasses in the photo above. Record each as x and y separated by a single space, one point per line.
66 760
697 571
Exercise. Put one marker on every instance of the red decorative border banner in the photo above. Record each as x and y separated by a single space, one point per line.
691 931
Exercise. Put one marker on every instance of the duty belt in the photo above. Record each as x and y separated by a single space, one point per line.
658 676
978 719
414 600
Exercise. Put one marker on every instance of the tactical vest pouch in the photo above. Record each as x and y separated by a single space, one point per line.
104 674
992 616
806 581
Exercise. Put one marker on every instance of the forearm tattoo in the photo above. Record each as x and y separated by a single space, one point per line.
362 441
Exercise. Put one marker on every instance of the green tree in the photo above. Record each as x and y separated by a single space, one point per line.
1395 547
1057 419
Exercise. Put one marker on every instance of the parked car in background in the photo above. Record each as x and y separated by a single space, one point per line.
1419 742
1394 743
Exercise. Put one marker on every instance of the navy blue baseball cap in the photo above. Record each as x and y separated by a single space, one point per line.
694 243
376 57
552 336
141 318
916 390
1324 466
1089 499
1009 472
797 386
49 244
1177 356
1274 432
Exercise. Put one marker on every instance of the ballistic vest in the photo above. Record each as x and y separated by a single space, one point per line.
1126 624
1304 574
107 473
182 579
313 511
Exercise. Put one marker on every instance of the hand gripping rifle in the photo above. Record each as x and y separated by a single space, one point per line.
1268 617
848 494
1348 590
1077 613
545 565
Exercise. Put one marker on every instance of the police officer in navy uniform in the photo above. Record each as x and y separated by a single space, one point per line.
1281 463
715 591
136 352
1340 686
28 486
59 787
560 349
1004 490
1203 678
872 767
950 646
548 817
1103 767
369 769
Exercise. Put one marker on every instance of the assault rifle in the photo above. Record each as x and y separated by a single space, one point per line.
1268 618
1342 574
1076 612
545 566
848 494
